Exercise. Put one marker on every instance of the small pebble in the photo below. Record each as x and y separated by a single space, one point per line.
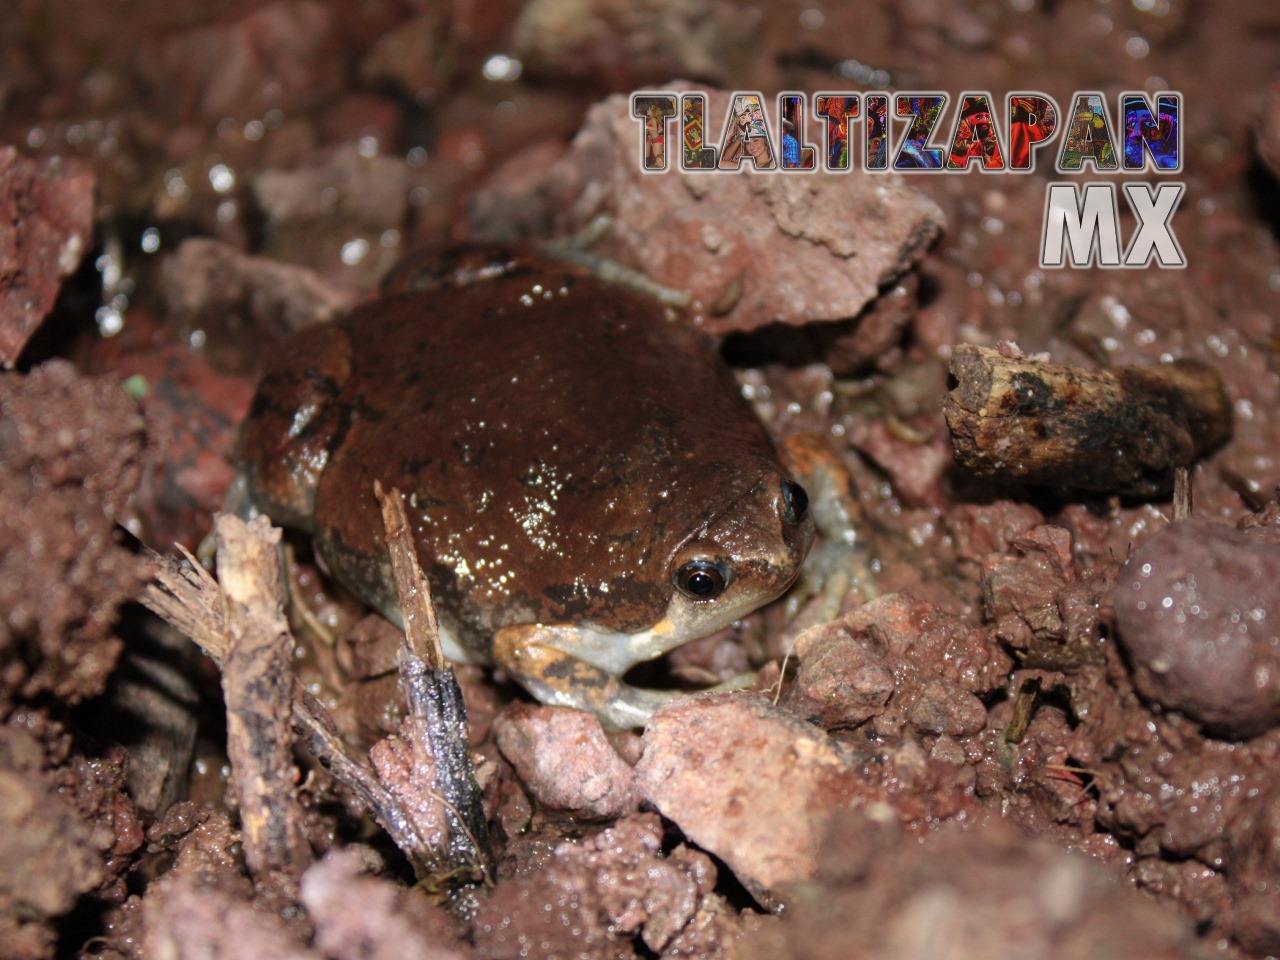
1199 615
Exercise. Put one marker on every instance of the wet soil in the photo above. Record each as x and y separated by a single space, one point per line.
1047 726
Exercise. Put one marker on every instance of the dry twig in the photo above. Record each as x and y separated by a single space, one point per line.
428 767
258 692
423 793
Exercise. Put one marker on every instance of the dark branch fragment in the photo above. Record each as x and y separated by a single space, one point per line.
1120 431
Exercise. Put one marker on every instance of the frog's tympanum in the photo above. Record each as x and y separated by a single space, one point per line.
587 488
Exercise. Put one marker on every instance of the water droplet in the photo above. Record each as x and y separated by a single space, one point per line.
1137 47
110 320
353 251
501 67
221 177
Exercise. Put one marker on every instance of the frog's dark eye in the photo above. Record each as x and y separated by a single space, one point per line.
795 502
701 580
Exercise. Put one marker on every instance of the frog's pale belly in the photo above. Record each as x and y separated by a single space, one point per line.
569 456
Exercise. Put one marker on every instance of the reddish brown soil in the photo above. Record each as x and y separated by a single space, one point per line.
884 790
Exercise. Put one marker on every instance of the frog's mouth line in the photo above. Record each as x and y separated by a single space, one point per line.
791 580
692 619
686 619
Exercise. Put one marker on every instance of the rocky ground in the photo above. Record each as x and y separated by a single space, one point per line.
1046 726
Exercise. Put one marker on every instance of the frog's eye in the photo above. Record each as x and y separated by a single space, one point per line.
795 502
701 580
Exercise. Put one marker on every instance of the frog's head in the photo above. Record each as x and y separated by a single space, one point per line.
744 557
730 563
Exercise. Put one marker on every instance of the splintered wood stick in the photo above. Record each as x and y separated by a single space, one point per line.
422 788
258 690
1124 430
192 601
427 767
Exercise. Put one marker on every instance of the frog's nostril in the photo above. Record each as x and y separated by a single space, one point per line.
701 580
795 502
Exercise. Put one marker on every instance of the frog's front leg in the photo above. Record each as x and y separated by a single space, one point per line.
538 658
840 561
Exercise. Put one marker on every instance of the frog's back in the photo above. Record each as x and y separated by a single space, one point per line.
556 439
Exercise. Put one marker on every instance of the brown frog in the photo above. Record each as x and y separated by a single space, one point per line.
586 486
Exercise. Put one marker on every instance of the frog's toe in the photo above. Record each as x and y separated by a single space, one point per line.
560 679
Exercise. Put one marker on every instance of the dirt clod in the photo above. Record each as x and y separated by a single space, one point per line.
605 893
690 233
361 916
565 760
980 892
49 852
46 209
701 768
70 452
1197 605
